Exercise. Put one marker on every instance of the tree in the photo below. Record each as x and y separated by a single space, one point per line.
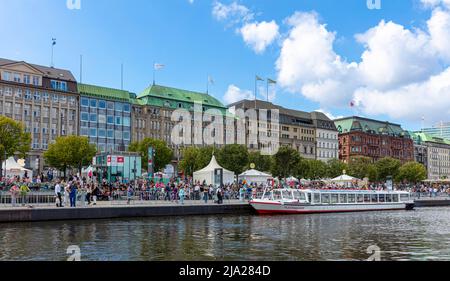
188 163
285 162
262 162
387 167
13 139
315 169
70 151
412 172
204 156
372 173
335 168
163 154
233 157
359 166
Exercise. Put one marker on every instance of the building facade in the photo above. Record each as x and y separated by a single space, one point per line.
297 129
44 99
437 159
441 130
105 117
327 138
360 136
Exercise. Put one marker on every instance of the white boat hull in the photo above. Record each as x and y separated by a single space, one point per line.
271 207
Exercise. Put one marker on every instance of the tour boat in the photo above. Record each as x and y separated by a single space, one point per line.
295 201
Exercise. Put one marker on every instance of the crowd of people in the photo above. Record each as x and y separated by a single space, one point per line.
77 191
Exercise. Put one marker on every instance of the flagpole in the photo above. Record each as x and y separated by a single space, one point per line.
256 87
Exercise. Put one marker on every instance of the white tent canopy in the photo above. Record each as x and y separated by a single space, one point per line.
344 178
255 176
14 169
207 174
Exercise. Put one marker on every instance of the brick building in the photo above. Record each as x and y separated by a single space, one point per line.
360 136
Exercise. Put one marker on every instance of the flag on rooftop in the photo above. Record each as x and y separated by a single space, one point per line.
270 81
259 78
158 66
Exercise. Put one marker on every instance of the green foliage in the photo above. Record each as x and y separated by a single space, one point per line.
13 138
262 162
188 163
163 154
335 168
314 169
412 172
70 151
285 162
359 167
387 167
233 157
372 173
204 157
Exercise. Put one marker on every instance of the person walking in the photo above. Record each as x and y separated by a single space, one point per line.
14 192
181 193
58 194
242 193
205 194
24 189
67 194
130 192
88 194
219 196
95 193
73 195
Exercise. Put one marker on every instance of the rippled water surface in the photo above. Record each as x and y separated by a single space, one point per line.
423 234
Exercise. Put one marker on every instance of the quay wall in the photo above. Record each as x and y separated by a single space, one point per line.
54 214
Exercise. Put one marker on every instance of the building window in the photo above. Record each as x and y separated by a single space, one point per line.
126 108
93 103
118 106
126 121
59 85
93 117
93 132
45 97
118 120
118 135
110 105
110 120
8 92
84 102
26 79
85 117
18 93
6 76
84 131
102 119
17 77
55 98
101 133
102 104
36 80
126 135
110 134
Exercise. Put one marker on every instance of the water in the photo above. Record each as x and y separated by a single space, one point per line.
423 234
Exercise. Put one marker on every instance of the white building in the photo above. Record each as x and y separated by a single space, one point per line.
327 140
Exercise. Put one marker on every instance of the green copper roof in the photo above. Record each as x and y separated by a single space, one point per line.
420 137
103 92
158 95
349 124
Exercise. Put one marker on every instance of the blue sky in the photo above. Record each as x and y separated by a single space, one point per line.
193 43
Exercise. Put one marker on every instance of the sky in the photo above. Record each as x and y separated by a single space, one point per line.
389 62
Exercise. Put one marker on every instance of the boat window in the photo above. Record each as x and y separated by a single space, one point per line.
299 195
351 198
389 197
309 197
267 195
287 195
343 198
395 198
374 198
360 198
316 197
382 198
404 197
276 195
334 198
326 198
366 198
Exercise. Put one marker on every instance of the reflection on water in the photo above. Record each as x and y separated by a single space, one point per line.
423 234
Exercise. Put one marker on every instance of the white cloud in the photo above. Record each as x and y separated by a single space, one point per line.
435 3
191 1
402 72
235 94
329 115
259 35
234 12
